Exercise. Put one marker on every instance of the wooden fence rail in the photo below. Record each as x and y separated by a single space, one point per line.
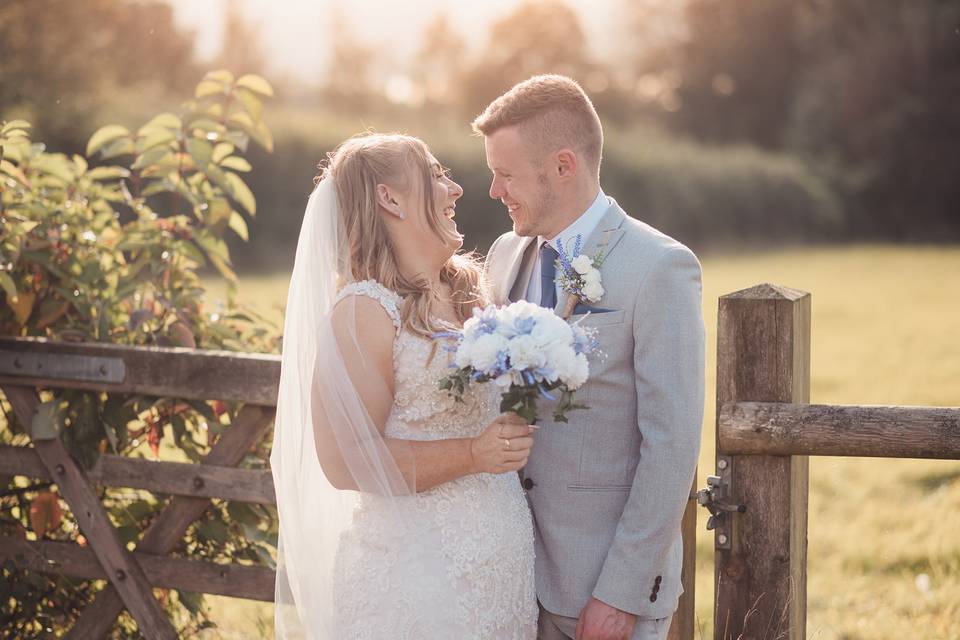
69 559
174 478
779 429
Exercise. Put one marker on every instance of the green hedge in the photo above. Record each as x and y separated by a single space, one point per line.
705 196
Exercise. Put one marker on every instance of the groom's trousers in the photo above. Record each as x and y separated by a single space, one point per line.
555 627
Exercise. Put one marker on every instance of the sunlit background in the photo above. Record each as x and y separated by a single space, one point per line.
812 143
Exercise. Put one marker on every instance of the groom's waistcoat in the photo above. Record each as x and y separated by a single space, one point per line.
608 489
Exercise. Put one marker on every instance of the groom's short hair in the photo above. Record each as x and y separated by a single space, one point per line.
552 111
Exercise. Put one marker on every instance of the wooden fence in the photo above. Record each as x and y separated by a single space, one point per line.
765 432
27 364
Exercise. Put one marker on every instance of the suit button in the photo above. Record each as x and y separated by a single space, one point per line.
656 588
653 597
528 483
658 579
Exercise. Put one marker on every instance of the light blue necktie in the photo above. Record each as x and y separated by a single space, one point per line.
548 273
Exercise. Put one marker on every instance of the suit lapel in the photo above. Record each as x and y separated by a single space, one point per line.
604 238
517 271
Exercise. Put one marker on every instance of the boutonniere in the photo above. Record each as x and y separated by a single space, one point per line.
579 276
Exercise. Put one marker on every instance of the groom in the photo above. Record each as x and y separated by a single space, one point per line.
607 489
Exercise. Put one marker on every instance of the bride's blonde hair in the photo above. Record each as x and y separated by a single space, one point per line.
356 167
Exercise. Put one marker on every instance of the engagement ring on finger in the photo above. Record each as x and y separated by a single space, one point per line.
506 441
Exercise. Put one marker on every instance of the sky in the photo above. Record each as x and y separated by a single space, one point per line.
293 31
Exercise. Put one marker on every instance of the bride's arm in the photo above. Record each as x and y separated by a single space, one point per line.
364 336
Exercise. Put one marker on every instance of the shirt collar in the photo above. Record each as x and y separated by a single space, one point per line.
582 226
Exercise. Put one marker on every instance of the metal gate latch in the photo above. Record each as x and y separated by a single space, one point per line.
714 499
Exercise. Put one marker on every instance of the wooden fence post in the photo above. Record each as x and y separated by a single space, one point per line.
682 625
763 355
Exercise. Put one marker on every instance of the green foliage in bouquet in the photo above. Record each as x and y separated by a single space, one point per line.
106 248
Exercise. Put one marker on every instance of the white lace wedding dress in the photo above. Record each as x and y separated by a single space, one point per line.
477 538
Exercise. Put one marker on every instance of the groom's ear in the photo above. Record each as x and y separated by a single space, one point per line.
566 163
387 202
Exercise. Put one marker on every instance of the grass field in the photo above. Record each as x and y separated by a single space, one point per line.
884 535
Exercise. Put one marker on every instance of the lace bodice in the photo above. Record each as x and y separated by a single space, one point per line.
477 536
421 410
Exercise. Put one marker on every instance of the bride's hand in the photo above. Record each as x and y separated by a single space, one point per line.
503 446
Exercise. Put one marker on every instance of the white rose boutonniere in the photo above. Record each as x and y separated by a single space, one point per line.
579 276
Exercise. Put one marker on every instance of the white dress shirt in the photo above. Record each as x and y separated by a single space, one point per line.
582 226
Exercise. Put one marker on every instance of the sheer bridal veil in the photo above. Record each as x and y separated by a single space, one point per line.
327 394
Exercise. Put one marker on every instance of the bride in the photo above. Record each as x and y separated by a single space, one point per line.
400 514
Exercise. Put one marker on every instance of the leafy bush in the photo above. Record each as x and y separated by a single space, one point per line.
109 253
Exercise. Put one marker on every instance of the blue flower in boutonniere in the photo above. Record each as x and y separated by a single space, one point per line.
579 276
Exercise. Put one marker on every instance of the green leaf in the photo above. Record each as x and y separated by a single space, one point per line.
236 163
213 245
19 150
239 226
221 151
80 164
239 139
261 134
119 147
213 530
256 84
242 120
152 157
55 165
162 121
220 75
14 125
224 269
241 193
205 124
218 211
155 137
208 88
158 186
108 173
8 285
14 171
243 514
104 135
201 151
250 102
191 600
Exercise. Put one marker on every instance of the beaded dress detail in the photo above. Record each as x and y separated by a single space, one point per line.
475 534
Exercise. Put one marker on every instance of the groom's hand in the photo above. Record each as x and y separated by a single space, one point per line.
600 621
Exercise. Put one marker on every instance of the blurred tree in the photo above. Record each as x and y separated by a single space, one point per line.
879 93
241 51
866 91
738 69
349 80
440 61
540 36
60 60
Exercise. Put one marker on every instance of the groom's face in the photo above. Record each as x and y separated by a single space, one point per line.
519 182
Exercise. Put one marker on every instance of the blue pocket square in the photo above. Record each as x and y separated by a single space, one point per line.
582 308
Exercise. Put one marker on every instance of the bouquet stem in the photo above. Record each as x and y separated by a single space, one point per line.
522 401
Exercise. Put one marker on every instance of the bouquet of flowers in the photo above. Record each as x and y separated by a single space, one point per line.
527 350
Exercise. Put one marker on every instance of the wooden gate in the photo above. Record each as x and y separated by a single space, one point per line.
180 373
